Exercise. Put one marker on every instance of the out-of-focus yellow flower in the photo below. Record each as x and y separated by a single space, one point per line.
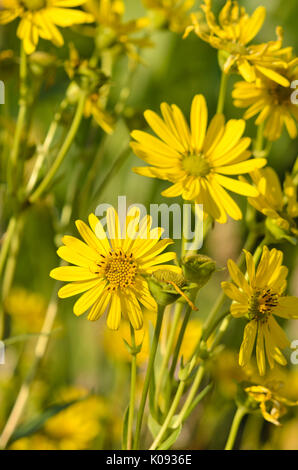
198 160
259 298
271 101
173 14
280 206
112 31
71 429
142 337
40 18
110 268
27 310
95 107
96 101
272 405
233 33
227 373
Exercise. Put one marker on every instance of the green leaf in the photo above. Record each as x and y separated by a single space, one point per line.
37 423
153 425
125 428
165 445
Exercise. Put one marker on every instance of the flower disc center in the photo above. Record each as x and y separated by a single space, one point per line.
120 270
262 303
196 165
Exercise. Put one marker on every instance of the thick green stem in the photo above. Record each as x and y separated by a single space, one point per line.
132 390
170 341
222 93
64 149
240 413
169 417
148 376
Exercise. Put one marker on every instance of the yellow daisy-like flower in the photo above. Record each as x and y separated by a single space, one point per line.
111 270
259 298
271 101
175 14
232 34
39 19
272 405
198 160
280 206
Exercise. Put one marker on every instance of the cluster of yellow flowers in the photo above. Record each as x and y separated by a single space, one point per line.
125 269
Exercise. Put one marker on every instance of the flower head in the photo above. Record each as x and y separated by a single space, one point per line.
112 32
233 33
280 206
272 405
198 160
111 271
259 298
174 14
271 101
40 18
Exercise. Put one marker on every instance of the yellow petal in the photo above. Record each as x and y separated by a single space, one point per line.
248 342
198 120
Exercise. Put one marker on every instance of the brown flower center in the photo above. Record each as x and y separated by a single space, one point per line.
261 304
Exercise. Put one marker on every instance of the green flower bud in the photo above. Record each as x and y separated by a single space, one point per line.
198 269
161 287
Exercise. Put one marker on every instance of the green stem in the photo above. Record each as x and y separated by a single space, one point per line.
191 396
240 413
179 340
170 341
64 149
6 242
43 151
222 92
169 417
23 104
259 142
148 376
132 390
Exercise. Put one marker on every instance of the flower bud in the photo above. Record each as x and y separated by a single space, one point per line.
198 269
161 287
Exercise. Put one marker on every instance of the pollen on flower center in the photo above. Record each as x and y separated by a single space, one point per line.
196 165
262 303
34 4
119 269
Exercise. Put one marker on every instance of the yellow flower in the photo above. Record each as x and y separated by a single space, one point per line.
272 405
280 206
174 13
111 271
233 33
73 428
40 17
271 101
259 298
112 31
197 159
27 310
95 108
